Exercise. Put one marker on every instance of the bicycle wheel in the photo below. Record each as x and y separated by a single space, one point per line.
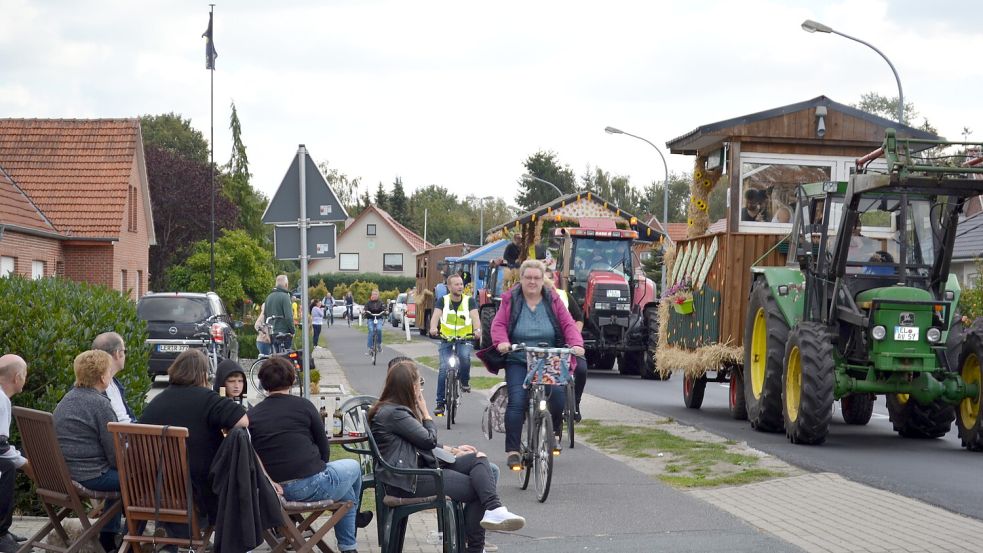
571 410
543 455
525 453
450 396
254 377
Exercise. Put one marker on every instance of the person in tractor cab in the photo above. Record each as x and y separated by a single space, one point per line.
580 373
456 316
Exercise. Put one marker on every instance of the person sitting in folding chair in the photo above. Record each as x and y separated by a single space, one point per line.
80 422
290 439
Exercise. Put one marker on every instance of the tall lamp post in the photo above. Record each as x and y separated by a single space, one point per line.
811 26
665 185
481 231
544 181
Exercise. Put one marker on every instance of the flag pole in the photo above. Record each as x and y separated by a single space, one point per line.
211 143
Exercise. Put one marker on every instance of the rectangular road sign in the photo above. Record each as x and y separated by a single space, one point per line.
320 241
321 201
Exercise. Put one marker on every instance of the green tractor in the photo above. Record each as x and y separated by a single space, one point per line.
865 307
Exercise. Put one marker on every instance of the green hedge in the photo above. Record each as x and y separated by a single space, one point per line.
383 282
50 321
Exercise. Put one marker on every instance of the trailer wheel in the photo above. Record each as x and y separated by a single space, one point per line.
649 370
914 420
808 381
735 400
765 335
486 314
693 389
857 408
970 419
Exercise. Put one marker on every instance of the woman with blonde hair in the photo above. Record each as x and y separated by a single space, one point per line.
531 313
80 423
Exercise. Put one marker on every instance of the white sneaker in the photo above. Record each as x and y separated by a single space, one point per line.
501 519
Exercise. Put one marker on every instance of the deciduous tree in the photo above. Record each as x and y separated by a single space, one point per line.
544 165
171 132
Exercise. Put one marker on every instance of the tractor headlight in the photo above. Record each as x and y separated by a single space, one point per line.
602 306
622 306
933 335
950 295
878 332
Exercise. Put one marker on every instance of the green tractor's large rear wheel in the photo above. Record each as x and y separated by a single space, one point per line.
914 420
969 417
765 335
808 384
857 408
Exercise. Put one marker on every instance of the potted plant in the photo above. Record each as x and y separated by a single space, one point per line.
315 381
680 295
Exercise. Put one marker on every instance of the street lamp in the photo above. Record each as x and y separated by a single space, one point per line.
811 26
481 232
544 181
665 185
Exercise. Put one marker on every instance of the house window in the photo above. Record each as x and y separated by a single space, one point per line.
348 262
139 284
132 212
7 265
37 269
370 229
392 262
122 281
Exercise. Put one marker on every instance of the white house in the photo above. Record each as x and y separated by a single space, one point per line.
373 242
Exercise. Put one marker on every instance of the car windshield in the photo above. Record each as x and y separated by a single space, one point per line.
173 309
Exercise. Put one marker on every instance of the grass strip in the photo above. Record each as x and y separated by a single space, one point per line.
688 463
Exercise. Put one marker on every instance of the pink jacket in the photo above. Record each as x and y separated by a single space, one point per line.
500 325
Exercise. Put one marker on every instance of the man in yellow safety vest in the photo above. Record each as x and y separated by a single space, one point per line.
457 317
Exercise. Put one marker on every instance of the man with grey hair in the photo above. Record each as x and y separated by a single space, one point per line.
112 343
13 375
278 304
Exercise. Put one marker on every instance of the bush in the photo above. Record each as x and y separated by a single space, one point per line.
382 282
388 295
318 292
247 343
339 291
50 321
971 299
361 291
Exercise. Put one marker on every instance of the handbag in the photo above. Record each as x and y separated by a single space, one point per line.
493 359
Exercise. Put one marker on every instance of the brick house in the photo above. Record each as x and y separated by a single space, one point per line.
74 201
373 242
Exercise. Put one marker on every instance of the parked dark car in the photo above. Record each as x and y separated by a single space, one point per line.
177 321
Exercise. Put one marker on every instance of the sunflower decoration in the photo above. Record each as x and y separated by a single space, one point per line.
700 204
698 213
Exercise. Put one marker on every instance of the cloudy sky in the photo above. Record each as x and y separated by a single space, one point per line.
460 93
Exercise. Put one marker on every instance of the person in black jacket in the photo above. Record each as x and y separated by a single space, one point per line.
289 437
404 431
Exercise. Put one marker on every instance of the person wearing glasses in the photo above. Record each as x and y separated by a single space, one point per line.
113 344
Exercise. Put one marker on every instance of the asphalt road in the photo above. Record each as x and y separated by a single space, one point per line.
939 472
595 502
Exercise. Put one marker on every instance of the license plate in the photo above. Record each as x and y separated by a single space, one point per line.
906 333
614 293
171 348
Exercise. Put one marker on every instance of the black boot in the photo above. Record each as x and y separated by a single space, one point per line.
108 541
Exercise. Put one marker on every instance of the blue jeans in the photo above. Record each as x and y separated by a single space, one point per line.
340 480
375 329
445 350
515 412
263 348
107 482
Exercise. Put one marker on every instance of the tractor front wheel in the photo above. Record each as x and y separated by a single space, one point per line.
808 384
649 370
487 315
765 335
970 417
914 420
630 363
857 408
605 361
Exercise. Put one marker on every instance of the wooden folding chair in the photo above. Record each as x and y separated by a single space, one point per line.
155 482
55 487
295 523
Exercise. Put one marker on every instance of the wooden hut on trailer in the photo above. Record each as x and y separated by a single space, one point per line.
760 158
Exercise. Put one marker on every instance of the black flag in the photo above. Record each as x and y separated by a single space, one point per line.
210 53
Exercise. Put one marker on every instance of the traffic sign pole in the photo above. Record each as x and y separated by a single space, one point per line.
305 312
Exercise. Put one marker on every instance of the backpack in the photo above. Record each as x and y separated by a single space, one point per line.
493 417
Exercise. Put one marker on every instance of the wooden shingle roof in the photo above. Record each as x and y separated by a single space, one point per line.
75 171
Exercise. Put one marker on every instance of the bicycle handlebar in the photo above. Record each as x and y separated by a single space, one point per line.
546 350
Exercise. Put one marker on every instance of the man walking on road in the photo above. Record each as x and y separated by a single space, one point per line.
456 318
278 305
13 374
113 344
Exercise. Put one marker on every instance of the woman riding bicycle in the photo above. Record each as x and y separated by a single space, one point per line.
374 311
532 314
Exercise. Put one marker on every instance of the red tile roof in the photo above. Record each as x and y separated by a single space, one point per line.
75 171
413 239
17 210
676 231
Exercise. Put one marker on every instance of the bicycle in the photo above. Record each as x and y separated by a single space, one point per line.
375 333
348 314
282 344
546 366
205 332
452 384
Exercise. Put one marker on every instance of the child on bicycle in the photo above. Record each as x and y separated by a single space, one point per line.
374 311
457 317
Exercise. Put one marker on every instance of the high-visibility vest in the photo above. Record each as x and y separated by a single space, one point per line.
456 323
